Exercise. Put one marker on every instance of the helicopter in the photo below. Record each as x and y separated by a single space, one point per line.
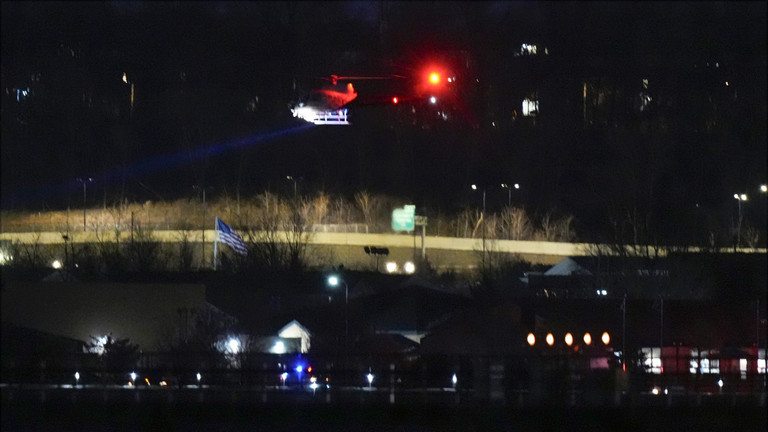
328 105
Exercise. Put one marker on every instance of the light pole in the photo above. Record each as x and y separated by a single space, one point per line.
334 281
739 198
509 191
482 219
84 181
295 181
202 189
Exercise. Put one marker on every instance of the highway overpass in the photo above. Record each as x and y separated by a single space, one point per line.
347 248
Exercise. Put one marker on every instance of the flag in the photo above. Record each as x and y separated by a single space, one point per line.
229 236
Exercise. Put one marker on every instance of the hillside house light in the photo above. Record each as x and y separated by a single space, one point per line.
233 345
278 348
56 264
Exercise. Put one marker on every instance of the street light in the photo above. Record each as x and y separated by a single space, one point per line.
202 189
295 180
333 281
482 218
509 191
84 181
531 339
739 198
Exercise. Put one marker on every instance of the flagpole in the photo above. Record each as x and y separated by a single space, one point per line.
215 243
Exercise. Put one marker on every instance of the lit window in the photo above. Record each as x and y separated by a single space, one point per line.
704 365
528 49
714 366
652 360
530 107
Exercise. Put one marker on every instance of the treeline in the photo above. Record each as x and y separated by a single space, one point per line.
268 211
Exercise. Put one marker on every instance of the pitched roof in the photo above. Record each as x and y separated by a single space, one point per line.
293 323
567 267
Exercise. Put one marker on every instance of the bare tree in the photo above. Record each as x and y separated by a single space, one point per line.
186 252
144 251
515 223
117 356
281 235
320 205
192 339
564 231
551 229
29 255
751 236
466 221
546 229
367 204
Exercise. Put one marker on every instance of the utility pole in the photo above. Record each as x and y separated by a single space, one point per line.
482 220
202 189
624 333
84 181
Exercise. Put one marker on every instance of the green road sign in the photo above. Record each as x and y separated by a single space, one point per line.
403 218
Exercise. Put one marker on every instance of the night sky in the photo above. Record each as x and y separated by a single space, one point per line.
213 84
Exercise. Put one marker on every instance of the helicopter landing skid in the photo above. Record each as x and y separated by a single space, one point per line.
331 118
